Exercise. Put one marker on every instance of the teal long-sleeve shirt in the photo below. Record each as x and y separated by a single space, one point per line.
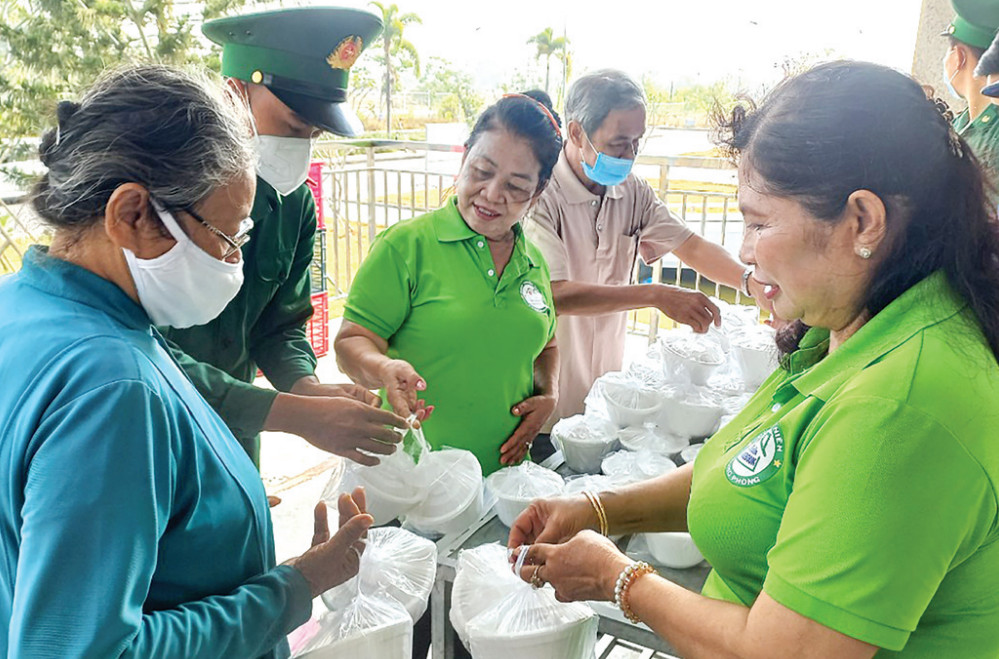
264 325
132 524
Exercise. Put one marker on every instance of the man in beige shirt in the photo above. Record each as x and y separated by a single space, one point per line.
594 219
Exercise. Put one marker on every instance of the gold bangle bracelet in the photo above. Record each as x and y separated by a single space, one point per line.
598 507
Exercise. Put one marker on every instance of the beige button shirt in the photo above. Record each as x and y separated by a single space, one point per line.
594 239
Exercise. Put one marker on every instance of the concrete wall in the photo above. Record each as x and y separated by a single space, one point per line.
930 48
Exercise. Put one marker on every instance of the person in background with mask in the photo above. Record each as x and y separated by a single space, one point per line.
291 67
132 523
970 32
593 221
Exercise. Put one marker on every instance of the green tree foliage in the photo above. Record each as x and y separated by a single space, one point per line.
548 44
52 49
397 52
452 92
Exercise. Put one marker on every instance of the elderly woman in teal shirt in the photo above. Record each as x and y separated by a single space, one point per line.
850 510
132 523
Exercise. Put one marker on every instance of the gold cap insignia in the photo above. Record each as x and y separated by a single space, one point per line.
346 53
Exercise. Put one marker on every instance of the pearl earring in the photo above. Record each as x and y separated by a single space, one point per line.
864 252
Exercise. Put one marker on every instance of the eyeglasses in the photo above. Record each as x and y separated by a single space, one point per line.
235 242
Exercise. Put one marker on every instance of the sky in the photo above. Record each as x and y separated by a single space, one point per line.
668 40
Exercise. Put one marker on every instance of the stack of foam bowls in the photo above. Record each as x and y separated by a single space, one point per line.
516 487
391 487
629 401
649 438
453 500
633 467
756 353
367 627
696 355
673 549
584 440
690 411
395 563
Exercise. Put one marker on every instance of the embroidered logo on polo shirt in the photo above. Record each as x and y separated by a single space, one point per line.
760 460
533 297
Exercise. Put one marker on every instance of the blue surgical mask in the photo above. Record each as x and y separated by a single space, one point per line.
607 170
949 80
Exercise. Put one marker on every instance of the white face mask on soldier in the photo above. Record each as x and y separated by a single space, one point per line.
185 286
283 161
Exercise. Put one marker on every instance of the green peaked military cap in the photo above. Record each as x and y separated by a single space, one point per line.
303 55
975 22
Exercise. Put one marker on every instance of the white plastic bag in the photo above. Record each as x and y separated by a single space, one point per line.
501 618
394 486
367 627
453 499
633 467
628 401
395 563
515 488
651 438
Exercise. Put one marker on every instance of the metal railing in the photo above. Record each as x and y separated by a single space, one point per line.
368 185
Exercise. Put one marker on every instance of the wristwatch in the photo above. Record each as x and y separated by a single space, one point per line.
747 273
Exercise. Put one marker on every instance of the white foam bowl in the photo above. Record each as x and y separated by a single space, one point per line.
513 494
583 455
630 404
393 640
699 371
673 549
634 467
386 495
756 362
570 641
454 501
687 419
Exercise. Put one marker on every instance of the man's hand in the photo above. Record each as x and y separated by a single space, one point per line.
688 307
311 386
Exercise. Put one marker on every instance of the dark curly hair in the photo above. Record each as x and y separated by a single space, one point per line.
846 126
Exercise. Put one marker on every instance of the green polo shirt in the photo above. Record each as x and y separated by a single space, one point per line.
858 488
982 135
429 287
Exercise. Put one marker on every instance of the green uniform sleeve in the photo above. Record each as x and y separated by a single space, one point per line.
243 406
83 578
278 341
886 501
381 295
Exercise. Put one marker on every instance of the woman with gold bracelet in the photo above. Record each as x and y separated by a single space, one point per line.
850 509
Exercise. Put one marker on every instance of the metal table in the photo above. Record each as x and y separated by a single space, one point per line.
491 529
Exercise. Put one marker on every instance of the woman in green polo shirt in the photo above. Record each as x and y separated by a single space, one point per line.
456 306
850 510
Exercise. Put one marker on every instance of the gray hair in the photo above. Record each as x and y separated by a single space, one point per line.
180 133
595 95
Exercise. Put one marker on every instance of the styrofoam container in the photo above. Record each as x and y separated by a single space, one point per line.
699 366
634 467
387 495
686 418
584 441
388 641
454 499
757 363
649 438
516 487
568 642
673 549
630 402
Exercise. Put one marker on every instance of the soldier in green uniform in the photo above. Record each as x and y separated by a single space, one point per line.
970 32
291 66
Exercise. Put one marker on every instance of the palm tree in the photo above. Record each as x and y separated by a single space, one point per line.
395 46
548 44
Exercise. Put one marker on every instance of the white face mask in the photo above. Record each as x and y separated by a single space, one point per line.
283 161
186 286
